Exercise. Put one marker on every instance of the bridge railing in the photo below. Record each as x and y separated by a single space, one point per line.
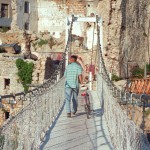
28 128
124 133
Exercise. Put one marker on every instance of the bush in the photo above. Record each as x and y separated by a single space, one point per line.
115 77
25 71
138 72
42 42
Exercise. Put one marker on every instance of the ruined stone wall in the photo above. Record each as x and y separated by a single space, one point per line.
53 14
8 70
14 37
20 17
110 11
39 71
135 33
125 32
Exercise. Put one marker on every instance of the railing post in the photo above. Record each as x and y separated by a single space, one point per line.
58 76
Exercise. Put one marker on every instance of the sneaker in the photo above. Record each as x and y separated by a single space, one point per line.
68 115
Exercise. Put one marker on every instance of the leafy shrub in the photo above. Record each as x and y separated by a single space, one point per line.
42 42
25 71
138 72
115 77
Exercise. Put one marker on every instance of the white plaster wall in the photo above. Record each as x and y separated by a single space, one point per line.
78 28
52 17
91 40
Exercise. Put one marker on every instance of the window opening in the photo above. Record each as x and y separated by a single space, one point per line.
26 7
4 10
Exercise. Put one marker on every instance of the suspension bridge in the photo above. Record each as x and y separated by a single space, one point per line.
42 123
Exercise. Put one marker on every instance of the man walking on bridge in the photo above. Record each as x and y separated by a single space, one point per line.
73 75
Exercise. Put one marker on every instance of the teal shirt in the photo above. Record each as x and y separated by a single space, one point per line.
72 72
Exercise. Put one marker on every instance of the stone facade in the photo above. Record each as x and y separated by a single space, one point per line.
8 71
135 33
110 12
25 15
53 14
125 33
5 13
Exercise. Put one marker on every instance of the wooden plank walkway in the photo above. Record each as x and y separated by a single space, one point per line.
78 132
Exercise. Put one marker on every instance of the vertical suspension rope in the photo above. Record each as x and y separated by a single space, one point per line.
92 45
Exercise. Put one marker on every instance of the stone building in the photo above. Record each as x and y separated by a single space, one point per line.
25 15
5 13
19 14
8 76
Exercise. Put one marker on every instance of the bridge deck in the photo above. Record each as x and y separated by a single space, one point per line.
78 132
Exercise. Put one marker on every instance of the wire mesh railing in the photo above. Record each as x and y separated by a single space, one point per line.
39 108
124 133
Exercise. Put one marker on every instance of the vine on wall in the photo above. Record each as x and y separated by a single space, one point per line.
25 71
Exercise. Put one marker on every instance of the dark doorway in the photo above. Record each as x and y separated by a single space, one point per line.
7 115
6 83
